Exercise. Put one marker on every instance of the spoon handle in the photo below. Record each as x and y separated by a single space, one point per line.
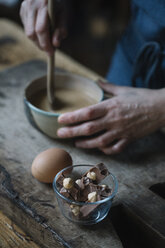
51 62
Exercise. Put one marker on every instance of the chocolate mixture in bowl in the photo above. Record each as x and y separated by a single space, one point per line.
65 100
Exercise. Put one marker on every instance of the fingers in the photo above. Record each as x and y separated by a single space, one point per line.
111 88
106 143
84 114
23 12
42 31
29 20
116 148
100 141
35 20
85 129
34 15
58 36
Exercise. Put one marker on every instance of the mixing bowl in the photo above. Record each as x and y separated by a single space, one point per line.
46 120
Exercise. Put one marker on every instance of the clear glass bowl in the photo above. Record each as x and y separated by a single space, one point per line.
98 210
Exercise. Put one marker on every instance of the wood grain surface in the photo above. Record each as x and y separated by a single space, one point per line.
12 236
15 48
32 205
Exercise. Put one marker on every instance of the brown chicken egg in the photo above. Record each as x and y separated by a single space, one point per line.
48 163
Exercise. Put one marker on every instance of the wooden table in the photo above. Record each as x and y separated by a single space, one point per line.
32 210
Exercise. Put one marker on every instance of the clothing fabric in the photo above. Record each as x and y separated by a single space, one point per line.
139 59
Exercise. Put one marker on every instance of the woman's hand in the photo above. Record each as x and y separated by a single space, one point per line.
34 15
130 114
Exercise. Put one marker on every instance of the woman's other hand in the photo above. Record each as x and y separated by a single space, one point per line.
130 114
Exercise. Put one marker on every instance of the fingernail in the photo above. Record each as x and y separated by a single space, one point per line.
56 42
62 118
62 132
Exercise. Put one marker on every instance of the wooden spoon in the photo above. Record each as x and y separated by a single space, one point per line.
51 62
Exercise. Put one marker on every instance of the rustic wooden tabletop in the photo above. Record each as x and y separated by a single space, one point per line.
29 215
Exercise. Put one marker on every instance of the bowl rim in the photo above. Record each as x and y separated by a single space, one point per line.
115 182
53 114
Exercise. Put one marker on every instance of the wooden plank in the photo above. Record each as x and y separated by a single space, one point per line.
30 204
22 196
142 163
148 212
16 48
12 236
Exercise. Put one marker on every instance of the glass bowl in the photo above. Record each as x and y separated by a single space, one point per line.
94 211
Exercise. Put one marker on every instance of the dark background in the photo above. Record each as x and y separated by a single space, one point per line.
94 27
